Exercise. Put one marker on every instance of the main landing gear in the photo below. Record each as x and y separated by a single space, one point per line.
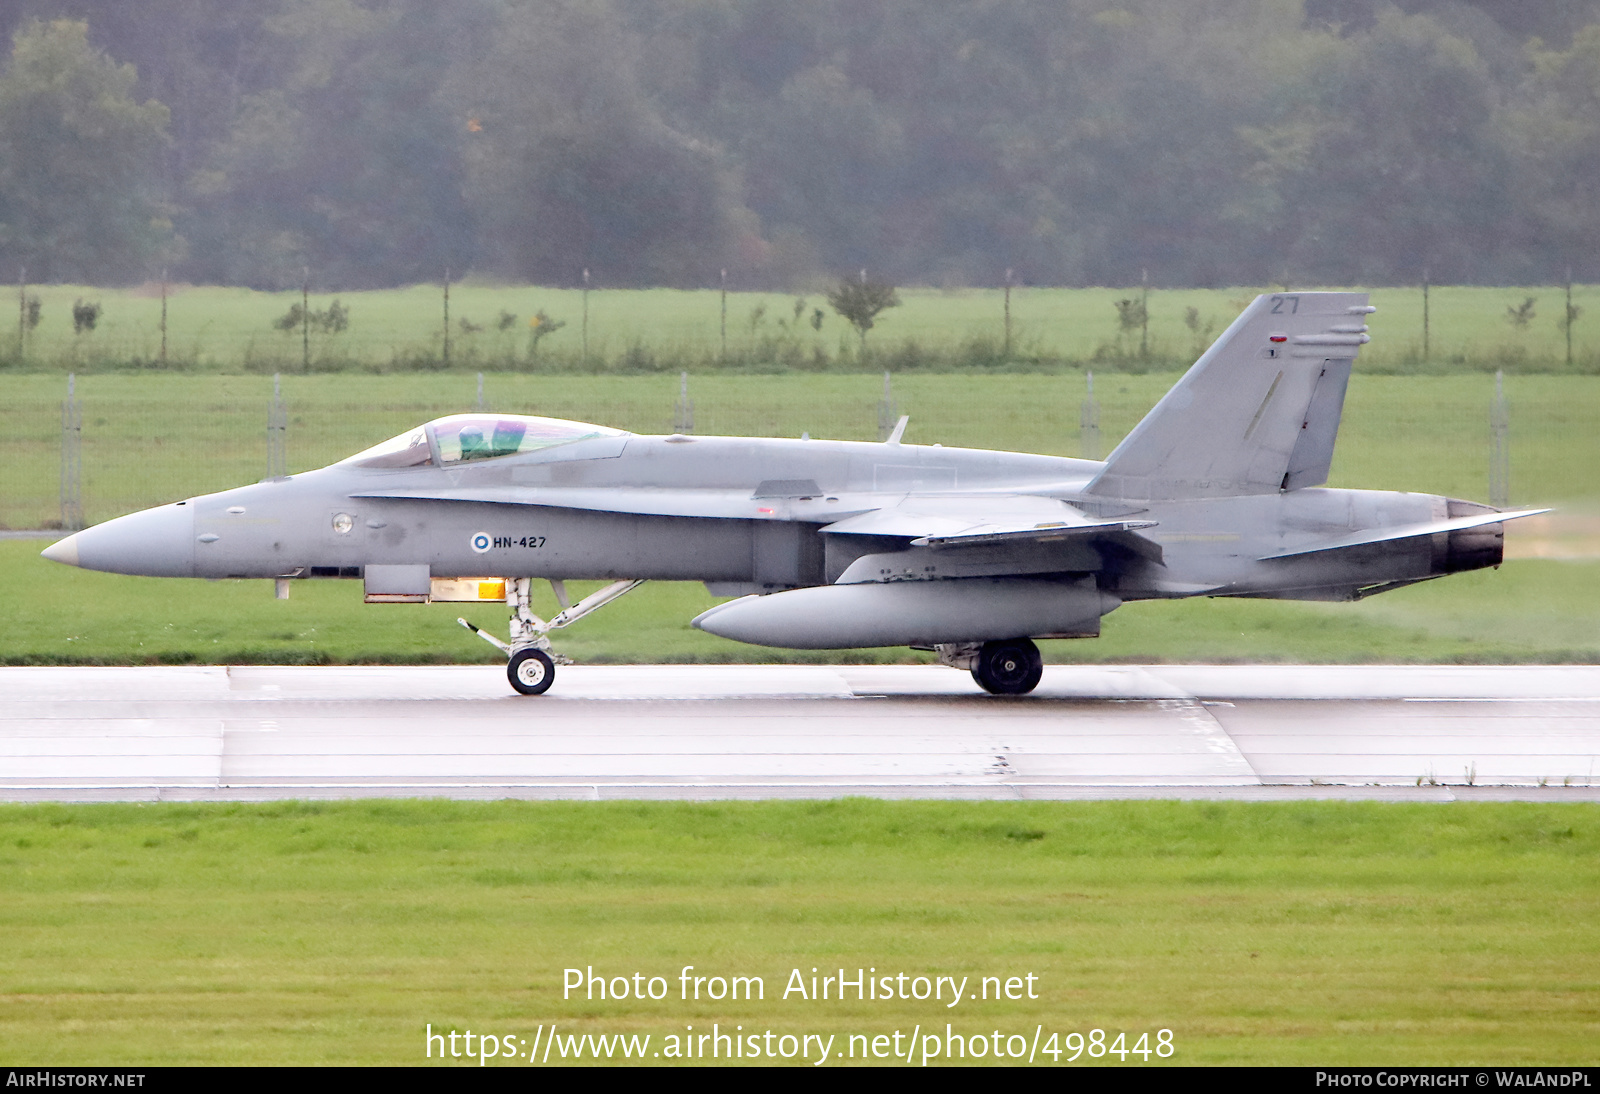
531 667
1009 667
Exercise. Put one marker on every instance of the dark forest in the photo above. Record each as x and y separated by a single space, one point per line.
660 142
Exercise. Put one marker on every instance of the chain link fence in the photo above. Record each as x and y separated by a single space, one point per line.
85 448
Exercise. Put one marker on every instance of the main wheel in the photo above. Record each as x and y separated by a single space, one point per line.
1012 667
531 672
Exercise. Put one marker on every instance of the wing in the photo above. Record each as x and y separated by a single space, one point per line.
968 521
973 536
938 522
987 536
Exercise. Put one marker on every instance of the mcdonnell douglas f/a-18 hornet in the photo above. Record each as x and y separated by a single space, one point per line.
842 544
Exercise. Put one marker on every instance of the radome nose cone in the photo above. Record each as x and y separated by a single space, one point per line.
64 551
152 543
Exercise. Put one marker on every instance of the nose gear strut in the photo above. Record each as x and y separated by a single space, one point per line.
531 667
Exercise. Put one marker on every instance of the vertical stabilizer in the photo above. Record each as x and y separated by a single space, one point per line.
1258 413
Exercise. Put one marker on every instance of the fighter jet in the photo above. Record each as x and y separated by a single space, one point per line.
840 544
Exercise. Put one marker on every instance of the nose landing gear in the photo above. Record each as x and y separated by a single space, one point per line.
531 667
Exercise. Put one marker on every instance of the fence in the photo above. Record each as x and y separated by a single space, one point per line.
124 441
533 329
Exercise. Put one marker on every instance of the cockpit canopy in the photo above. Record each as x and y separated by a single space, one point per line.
463 437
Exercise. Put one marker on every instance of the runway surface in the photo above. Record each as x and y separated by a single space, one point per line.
750 731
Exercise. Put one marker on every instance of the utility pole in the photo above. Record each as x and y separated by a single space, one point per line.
1499 445
1089 424
724 357
22 312
586 317
164 317
447 317
481 405
1008 314
71 459
305 319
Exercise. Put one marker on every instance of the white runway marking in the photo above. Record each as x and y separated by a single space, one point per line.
655 731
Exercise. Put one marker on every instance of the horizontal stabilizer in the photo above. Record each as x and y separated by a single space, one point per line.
1404 531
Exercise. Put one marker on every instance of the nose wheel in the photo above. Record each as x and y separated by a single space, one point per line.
1012 667
531 671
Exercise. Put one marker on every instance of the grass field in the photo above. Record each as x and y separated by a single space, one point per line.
1528 611
230 329
296 933
149 439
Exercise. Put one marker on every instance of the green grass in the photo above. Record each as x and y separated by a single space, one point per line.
294 933
1528 611
149 439
230 329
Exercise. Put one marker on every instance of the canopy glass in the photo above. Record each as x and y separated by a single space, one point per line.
463 437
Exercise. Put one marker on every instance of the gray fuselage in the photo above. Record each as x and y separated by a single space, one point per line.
751 519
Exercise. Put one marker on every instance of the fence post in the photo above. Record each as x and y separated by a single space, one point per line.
1499 445
1567 323
71 459
1008 314
1089 424
1144 315
683 411
163 317
1425 316
277 429
888 412
481 404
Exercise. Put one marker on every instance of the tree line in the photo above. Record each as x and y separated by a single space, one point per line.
662 142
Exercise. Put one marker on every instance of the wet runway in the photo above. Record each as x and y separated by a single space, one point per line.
1433 733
